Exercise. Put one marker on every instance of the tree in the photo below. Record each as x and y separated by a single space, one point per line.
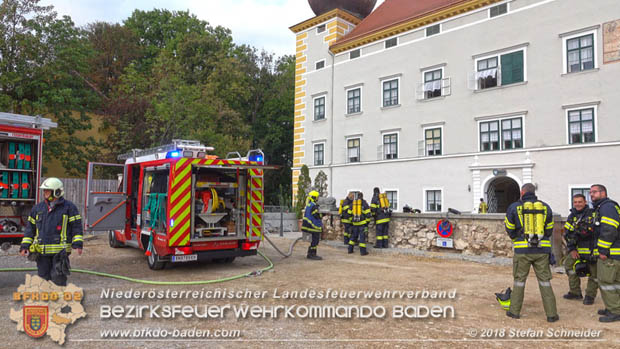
320 183
43 61
303 188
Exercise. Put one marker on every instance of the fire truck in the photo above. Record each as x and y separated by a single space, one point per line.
21 149
179 204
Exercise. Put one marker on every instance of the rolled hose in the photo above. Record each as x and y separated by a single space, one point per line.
152 282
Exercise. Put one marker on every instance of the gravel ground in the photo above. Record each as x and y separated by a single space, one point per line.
475 279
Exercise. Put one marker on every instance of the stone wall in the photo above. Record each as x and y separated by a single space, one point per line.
472 233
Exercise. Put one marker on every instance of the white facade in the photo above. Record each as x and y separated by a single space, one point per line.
440 101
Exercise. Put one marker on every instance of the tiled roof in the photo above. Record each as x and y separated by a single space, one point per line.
393 12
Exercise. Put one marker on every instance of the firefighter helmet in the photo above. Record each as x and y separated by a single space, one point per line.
504 298
314 195
55 185
581 268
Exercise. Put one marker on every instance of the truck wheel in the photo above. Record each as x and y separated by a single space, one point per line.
112 240
154 262
229 260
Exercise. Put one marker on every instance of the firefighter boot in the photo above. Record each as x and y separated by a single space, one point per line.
312 254
385 242
363 251
378 243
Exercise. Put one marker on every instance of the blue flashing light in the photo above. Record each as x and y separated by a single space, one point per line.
171 223
257 158
173 154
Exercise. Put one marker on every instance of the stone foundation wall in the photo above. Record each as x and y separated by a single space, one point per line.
472 233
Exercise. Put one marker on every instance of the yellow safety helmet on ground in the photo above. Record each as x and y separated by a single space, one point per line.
55 185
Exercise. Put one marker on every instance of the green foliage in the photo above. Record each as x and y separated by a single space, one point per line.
303 188
320 183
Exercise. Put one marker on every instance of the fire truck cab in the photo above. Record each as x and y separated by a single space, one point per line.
21 149
179 204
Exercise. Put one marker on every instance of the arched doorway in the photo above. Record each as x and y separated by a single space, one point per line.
502 192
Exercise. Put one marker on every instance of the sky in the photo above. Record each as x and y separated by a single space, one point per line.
260 23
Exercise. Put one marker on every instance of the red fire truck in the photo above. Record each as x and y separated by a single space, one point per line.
178 204
21 148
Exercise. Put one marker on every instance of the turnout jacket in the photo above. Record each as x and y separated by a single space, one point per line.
53 227
312 219
514 226
607 222
345 216
381 215
580 234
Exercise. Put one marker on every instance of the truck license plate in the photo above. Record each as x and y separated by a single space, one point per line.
185 258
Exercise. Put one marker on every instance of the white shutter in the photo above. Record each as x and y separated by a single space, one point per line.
472 81
380 152
419 92
421 148
446 88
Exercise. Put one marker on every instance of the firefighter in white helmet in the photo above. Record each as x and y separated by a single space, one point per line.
54 228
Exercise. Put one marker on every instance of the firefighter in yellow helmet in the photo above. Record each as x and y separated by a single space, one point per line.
54 228
529 223
312 223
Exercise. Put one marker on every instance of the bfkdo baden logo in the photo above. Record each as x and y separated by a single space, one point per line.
36 318
47 308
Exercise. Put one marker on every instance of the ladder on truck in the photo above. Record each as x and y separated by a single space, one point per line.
18 120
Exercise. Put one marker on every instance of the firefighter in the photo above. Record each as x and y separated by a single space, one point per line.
529 223
380 208
55 226
345 217
606 223
581 243
312 223
483 207
360 216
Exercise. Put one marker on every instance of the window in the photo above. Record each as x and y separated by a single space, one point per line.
432 83
432 139
432 30
354 101
433 201
511 134
498 10
580 53
320 28
320 64
489 136
390 146
391 42
390 93
583 191
319 108
319 154
392 196
500 70
354 54
581 126
353 150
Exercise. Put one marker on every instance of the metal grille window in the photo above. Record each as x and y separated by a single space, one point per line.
354 98
355 54
391 42
390 93
498 10
319 154
320 28
390 146
433 141
580 53
319 108
512 136
433 201
433 30
489 136
581 126
353 150
392 196
432 84
320 65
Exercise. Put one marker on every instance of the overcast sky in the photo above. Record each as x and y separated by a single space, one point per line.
261 23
